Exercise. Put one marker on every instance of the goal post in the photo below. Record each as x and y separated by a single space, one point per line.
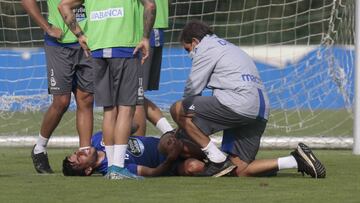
304 51
356 147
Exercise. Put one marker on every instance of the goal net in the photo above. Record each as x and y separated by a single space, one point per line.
304 51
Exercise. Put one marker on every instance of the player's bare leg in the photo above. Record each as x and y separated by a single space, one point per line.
84 116
108 125
140 120
49 123
156 117
125 115
54 114
255 168
218 164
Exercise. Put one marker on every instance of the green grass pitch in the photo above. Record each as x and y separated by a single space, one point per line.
20 183
281 123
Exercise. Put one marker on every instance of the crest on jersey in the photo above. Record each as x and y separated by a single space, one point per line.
135 147
80 13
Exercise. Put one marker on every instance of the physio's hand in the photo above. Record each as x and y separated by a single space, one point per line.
83 43
55 32
144 47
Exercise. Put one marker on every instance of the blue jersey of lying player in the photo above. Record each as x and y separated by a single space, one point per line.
141 151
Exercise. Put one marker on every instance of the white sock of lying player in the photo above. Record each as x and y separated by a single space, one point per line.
213 153
287 162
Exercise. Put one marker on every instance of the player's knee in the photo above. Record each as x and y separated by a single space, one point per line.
244 171
61 103
85 100
194 166
88 100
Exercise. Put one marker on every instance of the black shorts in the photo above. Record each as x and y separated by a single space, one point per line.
117 82
241 134
152 68
69 68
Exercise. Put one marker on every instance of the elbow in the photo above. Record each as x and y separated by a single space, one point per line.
61 7
150 6
25 4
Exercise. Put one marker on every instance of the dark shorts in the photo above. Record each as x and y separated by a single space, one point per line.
68 68
117 82
241 134
152 68
243 141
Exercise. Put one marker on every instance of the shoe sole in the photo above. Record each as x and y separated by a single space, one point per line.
307 159
225 171
122 177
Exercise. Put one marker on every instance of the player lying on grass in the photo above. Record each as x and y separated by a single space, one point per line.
174 154
142 157
302 159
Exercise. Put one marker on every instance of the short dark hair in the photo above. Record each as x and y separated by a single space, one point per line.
159 147
69 170
194 29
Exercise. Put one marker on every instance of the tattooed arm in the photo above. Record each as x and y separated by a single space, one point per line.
149 19
149 16
66 11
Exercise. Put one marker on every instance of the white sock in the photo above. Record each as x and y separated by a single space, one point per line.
213 153
41 144
287 162
163 125
119 155
109 149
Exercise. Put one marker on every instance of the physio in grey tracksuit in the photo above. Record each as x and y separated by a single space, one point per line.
239 105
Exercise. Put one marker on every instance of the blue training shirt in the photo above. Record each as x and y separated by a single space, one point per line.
141 151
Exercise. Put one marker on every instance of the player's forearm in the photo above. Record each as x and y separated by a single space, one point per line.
66 11
34 12
149 16
159 170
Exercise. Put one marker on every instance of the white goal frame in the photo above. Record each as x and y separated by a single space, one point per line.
356 147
